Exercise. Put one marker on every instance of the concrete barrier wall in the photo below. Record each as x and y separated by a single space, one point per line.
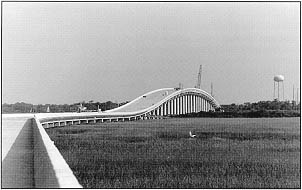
50 168
17 166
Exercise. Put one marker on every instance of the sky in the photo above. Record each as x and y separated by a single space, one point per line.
70 52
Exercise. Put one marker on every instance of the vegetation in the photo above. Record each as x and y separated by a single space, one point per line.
245 114
227 153
21 107
264 108
261 106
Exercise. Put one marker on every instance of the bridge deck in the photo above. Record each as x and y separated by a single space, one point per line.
145 101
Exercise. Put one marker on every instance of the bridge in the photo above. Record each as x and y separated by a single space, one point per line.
31 160
152 105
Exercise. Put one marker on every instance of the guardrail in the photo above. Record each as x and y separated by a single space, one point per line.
50 168
48 122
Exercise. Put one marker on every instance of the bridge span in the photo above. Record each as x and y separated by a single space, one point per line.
31 160
152 105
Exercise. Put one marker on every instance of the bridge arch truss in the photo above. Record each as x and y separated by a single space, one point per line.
183 102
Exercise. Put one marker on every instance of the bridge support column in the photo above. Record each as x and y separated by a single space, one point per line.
206 106
196 103
193 104
178 110
167 108
185 104
170 107
199 104
196 106
159 111
181 104
190 103
162 110
174 106
200 101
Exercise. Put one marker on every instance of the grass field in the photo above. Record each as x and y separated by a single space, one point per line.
227 153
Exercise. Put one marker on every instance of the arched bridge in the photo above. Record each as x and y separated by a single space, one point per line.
155 104
170 101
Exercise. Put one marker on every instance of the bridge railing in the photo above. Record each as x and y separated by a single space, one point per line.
50 168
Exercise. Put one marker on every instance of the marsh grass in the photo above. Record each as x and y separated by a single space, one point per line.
227 153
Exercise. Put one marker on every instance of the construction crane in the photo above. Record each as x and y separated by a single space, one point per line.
199 78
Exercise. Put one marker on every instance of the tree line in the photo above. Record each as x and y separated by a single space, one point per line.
253 110
261 108
21 107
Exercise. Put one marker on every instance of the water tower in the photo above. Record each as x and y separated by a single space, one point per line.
278 79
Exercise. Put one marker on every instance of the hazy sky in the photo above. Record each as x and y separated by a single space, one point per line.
70 52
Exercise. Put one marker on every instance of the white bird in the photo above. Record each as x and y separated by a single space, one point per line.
191 135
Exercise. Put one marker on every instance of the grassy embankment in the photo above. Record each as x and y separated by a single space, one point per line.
227 153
